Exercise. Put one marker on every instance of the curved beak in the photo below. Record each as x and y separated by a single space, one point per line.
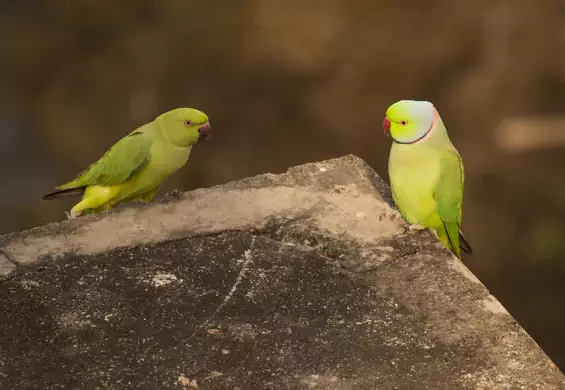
205 131
386 126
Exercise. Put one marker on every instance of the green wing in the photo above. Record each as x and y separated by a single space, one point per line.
121 162
448 194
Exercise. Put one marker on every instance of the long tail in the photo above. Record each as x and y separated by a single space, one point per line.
464 244
66 192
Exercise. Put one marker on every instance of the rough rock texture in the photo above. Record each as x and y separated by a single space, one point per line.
303 280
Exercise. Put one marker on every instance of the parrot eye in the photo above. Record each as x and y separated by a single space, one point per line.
403 123
188 123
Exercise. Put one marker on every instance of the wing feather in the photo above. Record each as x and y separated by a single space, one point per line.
448 194
121 162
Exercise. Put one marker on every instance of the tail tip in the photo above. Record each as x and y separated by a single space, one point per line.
61 192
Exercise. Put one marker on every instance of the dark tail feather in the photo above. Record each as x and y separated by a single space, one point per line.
67 192
464 244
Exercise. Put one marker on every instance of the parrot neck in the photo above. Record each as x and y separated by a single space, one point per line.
168 136
436 132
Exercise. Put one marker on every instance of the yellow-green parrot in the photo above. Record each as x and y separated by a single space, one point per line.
136 166
426 172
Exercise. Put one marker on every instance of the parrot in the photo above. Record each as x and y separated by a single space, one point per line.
426 172
136 166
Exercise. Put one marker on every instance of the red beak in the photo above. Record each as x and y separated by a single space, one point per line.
386 126
204 131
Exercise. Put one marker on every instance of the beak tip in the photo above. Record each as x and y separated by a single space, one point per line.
204 131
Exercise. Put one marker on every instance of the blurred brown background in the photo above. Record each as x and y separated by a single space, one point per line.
288 82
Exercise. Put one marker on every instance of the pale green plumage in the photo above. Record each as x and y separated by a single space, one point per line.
136 166
426 171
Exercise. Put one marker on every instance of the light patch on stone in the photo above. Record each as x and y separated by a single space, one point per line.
395 342
494 306
458 266
316 381
187 382
489 379
163 279
6 266
345 188
391 213
75 321
516 365
215 331
213 374
28 284
380 257
247 331
209 211
340 219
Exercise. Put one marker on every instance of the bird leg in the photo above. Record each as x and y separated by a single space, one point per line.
148 196
73 214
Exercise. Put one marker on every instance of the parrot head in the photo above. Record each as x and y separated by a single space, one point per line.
409 121
184 127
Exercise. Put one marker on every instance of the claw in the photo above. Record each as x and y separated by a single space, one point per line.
416 227
71 215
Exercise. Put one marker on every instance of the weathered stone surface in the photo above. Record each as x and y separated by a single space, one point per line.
303 280
6 266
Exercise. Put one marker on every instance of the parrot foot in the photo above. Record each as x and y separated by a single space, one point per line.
416 227
72 214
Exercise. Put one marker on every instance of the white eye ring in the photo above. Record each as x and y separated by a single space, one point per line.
188 123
